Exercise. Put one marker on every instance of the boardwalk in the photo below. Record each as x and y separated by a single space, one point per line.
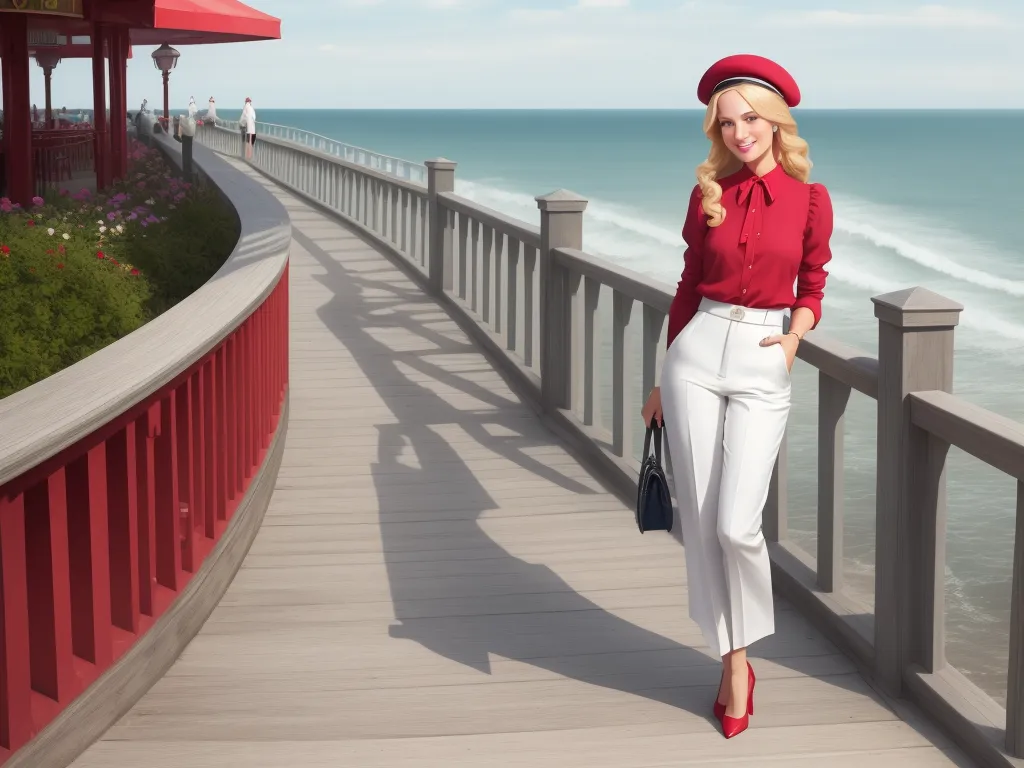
439 583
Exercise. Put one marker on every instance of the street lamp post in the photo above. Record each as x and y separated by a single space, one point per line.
165 59
48 61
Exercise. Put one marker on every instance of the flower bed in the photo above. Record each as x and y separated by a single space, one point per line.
78 272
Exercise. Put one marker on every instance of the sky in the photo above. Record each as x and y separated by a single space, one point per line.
488 54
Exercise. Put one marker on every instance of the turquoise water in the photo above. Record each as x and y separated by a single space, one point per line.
921 198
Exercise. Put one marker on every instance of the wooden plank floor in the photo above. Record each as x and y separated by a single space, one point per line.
439 583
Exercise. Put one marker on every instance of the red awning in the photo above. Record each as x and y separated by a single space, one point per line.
190 22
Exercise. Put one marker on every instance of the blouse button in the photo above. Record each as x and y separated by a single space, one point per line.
744 290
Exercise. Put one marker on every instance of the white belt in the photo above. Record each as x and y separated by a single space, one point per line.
742 314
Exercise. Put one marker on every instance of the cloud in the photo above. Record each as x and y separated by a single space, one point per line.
602 4
941 16
534 15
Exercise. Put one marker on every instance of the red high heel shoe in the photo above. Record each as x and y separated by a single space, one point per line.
733 726
719 707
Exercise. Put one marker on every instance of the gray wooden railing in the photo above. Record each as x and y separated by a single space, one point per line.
532 298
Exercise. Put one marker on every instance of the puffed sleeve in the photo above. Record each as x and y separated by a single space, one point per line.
685 303
810 281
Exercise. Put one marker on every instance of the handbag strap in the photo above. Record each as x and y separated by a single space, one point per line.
653 432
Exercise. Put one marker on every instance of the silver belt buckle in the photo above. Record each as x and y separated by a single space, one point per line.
736 313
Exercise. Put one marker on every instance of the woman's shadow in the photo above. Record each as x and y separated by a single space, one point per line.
454 589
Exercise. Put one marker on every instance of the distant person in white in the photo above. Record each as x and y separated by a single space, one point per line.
193 110
248 122
211 112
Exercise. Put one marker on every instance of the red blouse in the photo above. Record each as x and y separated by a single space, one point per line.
776 233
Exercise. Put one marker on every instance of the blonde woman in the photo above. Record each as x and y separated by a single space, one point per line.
755 227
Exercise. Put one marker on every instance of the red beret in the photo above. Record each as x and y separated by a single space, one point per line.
745 67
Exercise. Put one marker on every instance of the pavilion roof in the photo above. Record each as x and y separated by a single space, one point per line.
190 22
154 22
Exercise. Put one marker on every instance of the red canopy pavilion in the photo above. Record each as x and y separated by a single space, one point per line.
59 27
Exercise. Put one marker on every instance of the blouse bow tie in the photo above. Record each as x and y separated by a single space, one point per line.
755 193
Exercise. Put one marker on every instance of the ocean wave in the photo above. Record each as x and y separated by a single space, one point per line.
927 257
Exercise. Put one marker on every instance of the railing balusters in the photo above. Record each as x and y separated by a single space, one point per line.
474 259
622 352
88 557
393 224
512 271
530 305
833 397
424 226
122 485
497 316
775 517
577 343
591 348
485 263
405 200
652 351
463 224
16 683
48 585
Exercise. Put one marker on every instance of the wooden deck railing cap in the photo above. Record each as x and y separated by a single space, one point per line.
440 164
562 201
917 308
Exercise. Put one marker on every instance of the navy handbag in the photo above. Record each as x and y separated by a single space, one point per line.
653 501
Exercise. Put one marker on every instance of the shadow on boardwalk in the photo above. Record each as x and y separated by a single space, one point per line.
455 589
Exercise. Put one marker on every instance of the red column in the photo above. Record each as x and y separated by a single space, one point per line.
123 53
99 105
118 106
17 109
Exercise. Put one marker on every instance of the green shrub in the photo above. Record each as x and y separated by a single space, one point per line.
79 272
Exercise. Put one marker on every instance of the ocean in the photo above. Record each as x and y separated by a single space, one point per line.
923 198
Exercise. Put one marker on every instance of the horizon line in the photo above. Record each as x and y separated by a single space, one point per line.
610 109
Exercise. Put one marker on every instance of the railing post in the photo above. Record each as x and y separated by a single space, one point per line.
561 226
915 353
440 178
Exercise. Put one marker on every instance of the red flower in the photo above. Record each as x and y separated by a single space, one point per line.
135 272
49 251
31 223
100 255
60 248
4 250
114 262
60 266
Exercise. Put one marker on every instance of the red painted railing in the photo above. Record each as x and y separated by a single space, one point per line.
60 154
97 541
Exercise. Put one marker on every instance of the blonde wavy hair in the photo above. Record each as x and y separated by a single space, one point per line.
790 150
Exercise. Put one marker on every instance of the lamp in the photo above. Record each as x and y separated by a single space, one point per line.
48 60
165 59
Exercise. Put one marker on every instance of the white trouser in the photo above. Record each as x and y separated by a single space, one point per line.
725 400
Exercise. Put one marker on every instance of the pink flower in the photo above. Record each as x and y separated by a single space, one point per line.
38 201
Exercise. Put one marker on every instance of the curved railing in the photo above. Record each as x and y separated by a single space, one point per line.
131 485
544 310
394 166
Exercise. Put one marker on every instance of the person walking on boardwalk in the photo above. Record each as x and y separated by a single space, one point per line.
754 227
248 122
